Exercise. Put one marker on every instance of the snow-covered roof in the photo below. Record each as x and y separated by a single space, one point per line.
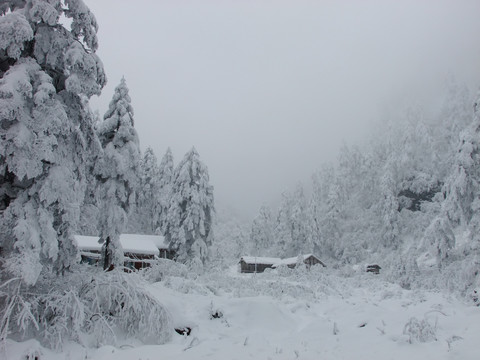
260 260
274 261
293 260
158 240
132 243
87 243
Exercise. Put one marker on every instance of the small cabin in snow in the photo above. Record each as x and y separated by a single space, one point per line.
253 264
308 259
139 250
256 264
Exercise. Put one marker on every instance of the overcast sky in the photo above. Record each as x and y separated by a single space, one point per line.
268 90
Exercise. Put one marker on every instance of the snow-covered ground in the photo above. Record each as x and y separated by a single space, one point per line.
295 315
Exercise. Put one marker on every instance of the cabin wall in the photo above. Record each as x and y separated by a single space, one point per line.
137 261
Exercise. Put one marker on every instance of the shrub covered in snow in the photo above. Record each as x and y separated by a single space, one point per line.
404 271
164 268
419 331
460 277
90 307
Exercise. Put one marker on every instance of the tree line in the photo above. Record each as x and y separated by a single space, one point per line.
411 194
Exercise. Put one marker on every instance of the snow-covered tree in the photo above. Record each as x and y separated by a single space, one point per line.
165 178
293 232
331 223
231 240
262 234
463 186
440 239
145 218
389 211
317 208
190 211
462 193
89 211
117 172
48 71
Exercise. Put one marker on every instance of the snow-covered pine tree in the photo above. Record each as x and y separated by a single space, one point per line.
389 210
317 208
262 234
314 216
440 239
293 231
191 207
279 241
462 193
302 232
331 223
462 186
117 173
231 240
146 216
47 73
89 211
165 178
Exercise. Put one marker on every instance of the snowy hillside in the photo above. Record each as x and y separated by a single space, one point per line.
284 314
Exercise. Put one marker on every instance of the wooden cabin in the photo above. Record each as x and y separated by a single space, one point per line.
373 269
308 259
140 251
255 264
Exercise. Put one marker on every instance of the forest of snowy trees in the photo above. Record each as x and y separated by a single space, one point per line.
410 195
408 200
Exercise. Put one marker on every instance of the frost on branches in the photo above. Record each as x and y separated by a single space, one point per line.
189 216
117 173
47 72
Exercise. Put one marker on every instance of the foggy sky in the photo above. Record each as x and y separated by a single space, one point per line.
269 90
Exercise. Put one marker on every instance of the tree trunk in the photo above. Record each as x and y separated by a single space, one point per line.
107 256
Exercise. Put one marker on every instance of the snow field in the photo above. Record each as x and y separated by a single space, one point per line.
362 317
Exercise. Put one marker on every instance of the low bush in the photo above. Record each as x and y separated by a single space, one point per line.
88 306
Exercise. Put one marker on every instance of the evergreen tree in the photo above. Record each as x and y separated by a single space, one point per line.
191 207
331 223
231 239
165 178
281 235
462 190
145 218
302 231
293 231
117 173
389 211
47 74
440 239
463 186
262 233
89 211
317 210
